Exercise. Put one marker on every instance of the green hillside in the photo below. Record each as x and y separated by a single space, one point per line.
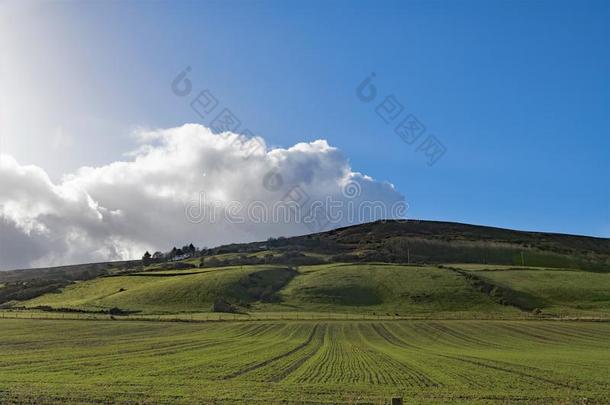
559 291
171 291
383 287
397 268
379 288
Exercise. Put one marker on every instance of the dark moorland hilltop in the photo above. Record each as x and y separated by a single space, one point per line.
400 241
441 242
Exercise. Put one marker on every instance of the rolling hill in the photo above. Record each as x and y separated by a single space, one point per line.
398 268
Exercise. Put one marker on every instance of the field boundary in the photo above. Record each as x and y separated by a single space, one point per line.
213 317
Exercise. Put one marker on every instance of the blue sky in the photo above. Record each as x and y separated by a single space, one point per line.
517 92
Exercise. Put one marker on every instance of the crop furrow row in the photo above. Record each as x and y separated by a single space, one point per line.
300 361
273 359
505 368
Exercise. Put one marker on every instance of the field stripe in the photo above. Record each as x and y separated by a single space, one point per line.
391 338
399 365
273 359
507 368
300 361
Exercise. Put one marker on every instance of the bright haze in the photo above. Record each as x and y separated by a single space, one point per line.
107 152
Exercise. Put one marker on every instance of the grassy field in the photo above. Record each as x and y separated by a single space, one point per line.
166 291
367 288
433 312
568 291
386 288
330 333
304 362
405 291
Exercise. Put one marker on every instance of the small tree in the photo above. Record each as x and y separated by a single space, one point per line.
146 259
202 262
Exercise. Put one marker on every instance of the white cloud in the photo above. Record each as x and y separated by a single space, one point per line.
162 194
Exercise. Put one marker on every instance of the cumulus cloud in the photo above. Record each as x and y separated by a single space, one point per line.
182 185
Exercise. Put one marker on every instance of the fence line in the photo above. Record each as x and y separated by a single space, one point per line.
294 316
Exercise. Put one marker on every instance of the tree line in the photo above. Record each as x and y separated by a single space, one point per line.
184 252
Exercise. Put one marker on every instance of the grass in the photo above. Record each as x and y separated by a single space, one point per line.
405 290
329 334
313 361
334 333
188 290
573 292
408 291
